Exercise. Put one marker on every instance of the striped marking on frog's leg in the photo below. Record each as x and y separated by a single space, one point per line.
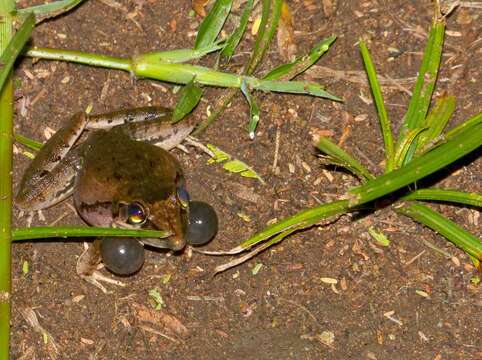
38 185
166 136
136 115
51 187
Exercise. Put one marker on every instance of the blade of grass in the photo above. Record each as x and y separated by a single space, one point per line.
180 55
454 196
15 45
289 71
307 218
212 24
234 39
422 93
407 141
271 13
341 157
436 121
458 146
189 98
253 110
44 232
450 230
32 144
46 11
385 123
473 121
6 147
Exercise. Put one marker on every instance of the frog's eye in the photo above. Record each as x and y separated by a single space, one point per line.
136 215
183 197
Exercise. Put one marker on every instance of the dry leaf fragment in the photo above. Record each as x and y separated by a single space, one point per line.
162 318
286 34
199 7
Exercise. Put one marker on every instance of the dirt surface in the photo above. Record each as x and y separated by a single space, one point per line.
404 301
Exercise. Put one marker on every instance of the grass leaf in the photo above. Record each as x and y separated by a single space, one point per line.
385 123
454 233
454 196
190 96
234 166
212 24
422 93
234 39
290 70
254 111
14 47
52 9
342 158
436 121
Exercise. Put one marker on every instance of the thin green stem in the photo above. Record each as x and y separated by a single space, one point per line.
80 57
44 232
6 147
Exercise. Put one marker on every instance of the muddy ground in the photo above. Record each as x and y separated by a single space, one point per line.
411 300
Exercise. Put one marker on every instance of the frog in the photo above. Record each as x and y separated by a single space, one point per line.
120 173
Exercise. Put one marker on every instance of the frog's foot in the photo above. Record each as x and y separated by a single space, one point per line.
88 265
30 216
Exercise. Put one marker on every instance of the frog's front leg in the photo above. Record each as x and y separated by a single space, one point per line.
88 264
51 174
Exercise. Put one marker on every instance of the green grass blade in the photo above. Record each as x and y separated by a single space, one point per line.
50 10
342 158
454 196
32 144
44 232
436 121
15 45
190 96
426 79
234 39
292 87
424 86
6 147
408 140
385 123
473 121
254 111
178 55
447 228
445 154
271 13
212 24
305 218
289 71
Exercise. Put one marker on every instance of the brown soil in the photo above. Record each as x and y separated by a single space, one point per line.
286 310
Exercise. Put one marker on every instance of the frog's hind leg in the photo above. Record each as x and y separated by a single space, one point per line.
50 176
88 264
131 116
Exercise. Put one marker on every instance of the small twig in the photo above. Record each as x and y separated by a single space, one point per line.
276 150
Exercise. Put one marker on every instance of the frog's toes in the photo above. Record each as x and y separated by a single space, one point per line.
95 279
88 264
30 216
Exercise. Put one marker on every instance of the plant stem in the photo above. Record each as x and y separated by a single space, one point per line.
6 143
80 57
